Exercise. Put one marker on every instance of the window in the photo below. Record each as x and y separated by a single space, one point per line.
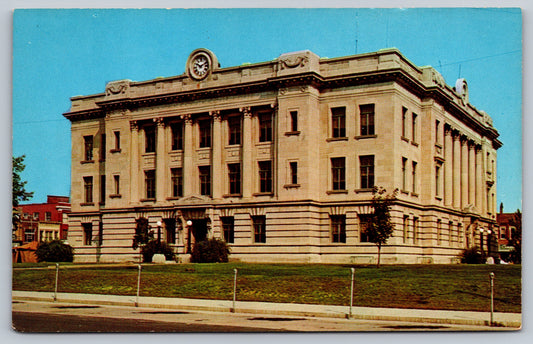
234 175
364 223
102 189
265 127
205 180
367 171
259 224
338 228
437 131
293 165
415 230
367 119
88 141
88 187
87 234
29 235
35 216
437 180
405 227
116 180
176 176
149 182
413 126
102 147
117 140
234 130
439 232
338 121
413 174
502 233
338 173
205 133
228 229
170 230
294 120
176 130
149 139
265 176
48 216
404 174
450 230
404 122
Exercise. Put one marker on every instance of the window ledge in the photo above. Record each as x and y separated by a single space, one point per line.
176 150
115 150
87 162
438 198
292 133
263 194
86 204
231 195
364 190
438 145
173 198
333 139
148 154
333 192
291 186
405 139
414 143
361 137
404 192
147 200
414 194
235 145
115 196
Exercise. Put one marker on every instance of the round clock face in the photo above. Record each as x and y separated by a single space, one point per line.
200 66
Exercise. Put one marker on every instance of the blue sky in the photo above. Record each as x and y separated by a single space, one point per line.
58 54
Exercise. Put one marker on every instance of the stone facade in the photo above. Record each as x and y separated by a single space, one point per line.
279 159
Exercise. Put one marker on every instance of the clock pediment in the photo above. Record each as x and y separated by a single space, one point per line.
200 64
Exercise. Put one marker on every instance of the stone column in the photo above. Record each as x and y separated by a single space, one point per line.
448 166
216 164
134 163
471 173
160 170
188 149
479 179
247 168
456 170
464 172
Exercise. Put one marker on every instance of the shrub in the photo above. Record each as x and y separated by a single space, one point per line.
156 247
54 251
472 255
210 251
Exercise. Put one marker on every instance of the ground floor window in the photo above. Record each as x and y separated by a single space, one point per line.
338 228
87 233
259 226
364 222
228 229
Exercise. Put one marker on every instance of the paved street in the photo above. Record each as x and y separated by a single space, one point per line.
32 316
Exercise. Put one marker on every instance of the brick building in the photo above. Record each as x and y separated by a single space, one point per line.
279 159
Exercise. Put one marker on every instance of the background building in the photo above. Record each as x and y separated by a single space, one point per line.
43 221
279 159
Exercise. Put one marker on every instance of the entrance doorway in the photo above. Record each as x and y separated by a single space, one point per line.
196 233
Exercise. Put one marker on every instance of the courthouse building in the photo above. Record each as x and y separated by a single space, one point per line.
279 159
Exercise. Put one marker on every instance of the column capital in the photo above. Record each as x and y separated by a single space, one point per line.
159 121
187 118
464 139
215 114
134 126
447 129
456 134
246 111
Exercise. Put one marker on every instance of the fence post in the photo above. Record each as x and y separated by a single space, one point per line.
138 286
234 289
57 277
351 293
491 298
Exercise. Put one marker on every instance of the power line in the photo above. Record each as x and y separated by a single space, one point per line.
480 58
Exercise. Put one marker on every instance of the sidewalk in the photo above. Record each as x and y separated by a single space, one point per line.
365 313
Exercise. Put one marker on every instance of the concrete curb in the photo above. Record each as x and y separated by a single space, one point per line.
511 320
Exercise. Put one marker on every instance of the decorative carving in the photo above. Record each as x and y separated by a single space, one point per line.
282 90
134 126
293 61
187 119
246 111
216 115
117 87
159 121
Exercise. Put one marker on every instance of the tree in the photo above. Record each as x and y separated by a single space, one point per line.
19 191
143 234
516 238
380 227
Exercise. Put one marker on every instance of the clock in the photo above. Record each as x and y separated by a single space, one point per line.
200 65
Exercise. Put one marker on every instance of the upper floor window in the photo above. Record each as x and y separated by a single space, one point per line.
116 181
338 173
149 142
338 121
366 163
234 176
36 216
338 228
149 182
234 130
404 122
413 174
205 133
102 147
294 172
265 176
205 180
404 174
177 135
88 143
117 140
88 188
48 216
437 131
367 119
176 175
294 120
413 126
265 127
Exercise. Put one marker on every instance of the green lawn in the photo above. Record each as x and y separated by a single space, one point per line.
454 287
